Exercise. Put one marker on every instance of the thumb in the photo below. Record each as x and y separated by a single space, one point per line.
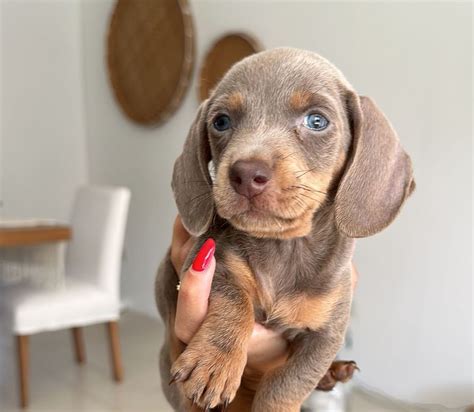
193 295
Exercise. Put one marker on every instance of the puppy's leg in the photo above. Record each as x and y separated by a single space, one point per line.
210 369
285 388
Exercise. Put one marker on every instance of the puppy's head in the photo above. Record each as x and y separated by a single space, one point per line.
285 133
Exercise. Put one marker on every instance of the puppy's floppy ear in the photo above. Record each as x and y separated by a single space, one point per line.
378 176
192 185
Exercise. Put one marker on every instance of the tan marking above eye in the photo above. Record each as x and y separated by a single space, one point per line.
235 101
300 99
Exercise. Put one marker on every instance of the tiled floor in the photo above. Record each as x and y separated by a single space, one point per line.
57 383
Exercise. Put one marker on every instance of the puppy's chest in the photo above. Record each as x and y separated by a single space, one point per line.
286 306
286 295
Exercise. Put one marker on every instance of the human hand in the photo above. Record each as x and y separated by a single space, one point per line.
266 348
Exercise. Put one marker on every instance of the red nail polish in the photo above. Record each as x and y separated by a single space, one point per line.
204 256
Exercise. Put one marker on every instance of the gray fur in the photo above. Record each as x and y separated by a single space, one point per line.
357 177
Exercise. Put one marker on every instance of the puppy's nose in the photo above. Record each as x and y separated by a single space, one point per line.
249 177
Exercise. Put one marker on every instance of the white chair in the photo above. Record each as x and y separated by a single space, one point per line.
91 292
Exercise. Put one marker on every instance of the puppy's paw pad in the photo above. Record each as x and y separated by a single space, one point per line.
207 376
340 371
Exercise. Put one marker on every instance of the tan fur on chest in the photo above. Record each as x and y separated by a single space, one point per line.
298 311
303 311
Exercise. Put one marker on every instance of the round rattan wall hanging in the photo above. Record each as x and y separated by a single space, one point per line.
224 53
150 57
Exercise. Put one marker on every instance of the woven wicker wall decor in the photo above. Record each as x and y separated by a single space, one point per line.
150 57
224 53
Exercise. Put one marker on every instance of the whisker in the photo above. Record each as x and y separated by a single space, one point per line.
307 188
307 171
322 86
291 154
312 189
309 197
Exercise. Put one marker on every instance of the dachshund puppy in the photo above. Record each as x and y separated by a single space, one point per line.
301 165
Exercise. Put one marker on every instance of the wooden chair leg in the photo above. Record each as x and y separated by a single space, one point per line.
79 348
23 365
114 343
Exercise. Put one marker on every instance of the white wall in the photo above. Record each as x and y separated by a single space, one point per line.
120 152
42 140
413 317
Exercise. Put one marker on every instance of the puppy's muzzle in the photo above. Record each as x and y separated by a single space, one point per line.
250 178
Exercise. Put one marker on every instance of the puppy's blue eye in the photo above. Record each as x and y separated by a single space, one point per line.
315 121
221 123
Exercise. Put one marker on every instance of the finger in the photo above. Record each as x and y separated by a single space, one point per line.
180 234
183 254
180 244
193 300
179 255
193 296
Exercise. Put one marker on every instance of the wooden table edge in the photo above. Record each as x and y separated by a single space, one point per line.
33 235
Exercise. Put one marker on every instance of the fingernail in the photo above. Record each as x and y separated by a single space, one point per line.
204 256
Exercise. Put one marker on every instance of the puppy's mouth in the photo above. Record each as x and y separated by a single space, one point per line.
273 212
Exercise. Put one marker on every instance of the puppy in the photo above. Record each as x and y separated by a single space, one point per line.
302 165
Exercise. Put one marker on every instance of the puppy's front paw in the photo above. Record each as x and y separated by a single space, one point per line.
209 377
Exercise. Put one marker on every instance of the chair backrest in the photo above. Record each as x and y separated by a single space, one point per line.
98 221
